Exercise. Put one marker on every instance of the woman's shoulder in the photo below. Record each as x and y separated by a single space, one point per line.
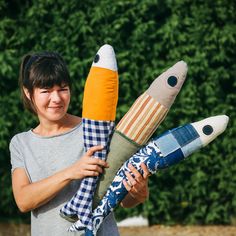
19 137
74 123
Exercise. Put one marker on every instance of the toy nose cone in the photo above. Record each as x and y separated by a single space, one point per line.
105 58
166 86
180 69
219 123
209 128
225 121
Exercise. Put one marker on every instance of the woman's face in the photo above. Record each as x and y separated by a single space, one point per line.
51 103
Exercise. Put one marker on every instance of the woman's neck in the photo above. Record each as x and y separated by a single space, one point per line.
50 128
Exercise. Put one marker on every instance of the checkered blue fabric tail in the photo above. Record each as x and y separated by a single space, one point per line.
95 133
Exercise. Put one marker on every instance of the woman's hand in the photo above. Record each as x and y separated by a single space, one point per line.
29 196
87 165
136 186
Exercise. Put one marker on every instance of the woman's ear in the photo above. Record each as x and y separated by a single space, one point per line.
26 92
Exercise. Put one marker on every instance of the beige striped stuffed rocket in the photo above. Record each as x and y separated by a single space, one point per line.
141 121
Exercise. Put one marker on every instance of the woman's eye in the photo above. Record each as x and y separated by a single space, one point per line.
64 89
44 91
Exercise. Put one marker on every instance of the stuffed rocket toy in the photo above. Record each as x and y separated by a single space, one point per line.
99 110
162 152
141 121
136 127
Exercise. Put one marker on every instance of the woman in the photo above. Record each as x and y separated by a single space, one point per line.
48 161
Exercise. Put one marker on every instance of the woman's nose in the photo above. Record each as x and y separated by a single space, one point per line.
55 96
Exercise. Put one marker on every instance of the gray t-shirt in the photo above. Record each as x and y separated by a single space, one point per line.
42 157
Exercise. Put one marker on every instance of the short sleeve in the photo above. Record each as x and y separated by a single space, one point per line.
17 160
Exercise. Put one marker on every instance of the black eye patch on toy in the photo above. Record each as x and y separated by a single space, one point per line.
207 129
96 58
172 81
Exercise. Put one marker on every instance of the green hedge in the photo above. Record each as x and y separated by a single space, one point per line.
148 36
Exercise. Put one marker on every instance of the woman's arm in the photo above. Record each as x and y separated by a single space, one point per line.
29 196
137 187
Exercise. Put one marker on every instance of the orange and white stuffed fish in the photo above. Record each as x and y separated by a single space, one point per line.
99 111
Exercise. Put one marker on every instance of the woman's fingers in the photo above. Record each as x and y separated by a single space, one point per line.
96 168
146 172
137 175
91 173
136 183
134 178
94 149
131 180
95 161
127 186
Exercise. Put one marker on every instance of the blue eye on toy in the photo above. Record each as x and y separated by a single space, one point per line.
172 81
207 129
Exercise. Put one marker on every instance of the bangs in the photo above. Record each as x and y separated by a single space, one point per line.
48 73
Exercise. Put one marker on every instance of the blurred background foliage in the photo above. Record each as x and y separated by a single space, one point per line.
148 36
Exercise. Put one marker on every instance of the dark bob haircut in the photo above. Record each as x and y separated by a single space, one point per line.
41 70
